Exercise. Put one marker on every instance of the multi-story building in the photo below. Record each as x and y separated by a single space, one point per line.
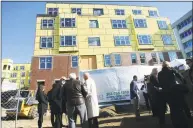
183 32
21 74
16 73
90 34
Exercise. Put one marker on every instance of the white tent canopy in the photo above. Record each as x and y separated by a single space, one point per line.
180 63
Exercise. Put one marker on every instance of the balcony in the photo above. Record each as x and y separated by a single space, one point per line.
68 49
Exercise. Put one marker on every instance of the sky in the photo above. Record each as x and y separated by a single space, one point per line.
19 21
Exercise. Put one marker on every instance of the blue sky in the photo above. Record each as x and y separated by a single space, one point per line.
19 21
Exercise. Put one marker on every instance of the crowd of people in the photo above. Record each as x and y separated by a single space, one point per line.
167 87
73 97
70 97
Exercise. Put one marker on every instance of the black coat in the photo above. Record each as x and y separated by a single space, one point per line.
43 102
56 98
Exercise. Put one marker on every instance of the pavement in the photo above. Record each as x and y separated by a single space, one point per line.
120 121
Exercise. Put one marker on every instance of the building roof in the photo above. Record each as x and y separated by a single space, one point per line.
97 3
188 14
45 15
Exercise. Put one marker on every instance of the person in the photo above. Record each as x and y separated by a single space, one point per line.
62 83
57 104
171 95
134 91
75 94
43 103
145 92
188 75
91 101
49 95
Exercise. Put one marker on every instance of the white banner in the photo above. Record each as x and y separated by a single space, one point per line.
113 84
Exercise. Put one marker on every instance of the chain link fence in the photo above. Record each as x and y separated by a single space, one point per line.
9 108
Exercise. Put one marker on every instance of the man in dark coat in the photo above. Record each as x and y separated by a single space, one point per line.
75 94
42 105
172 96
57 104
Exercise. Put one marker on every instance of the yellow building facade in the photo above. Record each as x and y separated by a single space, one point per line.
16 73
91 31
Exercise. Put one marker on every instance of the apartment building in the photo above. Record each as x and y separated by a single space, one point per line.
16 73
183 32
90 33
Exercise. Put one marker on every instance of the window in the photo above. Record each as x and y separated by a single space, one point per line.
117 59
46 42
162 25
144 39
122 40
161 57
74 61
67 22
118 24
48 23
13 81
76 10
153 13
167 39
16 68
107 59
23 74
98 12
94 41
68 41
45 62
22 68
4 67
133 58
14 75
137 12
9 67
94 24
172 55
186 33
189 54
154 57
119 12
52 11
22 82
140 23
142 58
188 44
184 23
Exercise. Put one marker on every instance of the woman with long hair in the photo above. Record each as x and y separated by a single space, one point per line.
42 105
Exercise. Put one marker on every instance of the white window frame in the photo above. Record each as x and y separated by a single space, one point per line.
165 37
154 57
171 55
140 38
22 74
154 12
162 25
119 37
120 12
91 24
132 57
117 59
73 39
47 26
45 63
139 12
142 58
99 12
117 23
53 11
77 11
95 40
160 54
138 24
46 37
77 61
105 64
73 20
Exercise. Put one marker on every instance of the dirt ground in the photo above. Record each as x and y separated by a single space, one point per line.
119 121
